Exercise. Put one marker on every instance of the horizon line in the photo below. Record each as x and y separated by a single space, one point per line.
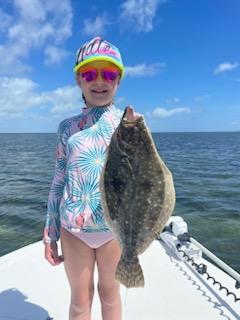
213 131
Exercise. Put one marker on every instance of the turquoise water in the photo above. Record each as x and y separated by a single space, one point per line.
206 172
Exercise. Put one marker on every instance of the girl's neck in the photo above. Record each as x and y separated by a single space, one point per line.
88 105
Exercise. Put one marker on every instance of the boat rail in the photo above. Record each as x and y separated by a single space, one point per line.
176 236
234 274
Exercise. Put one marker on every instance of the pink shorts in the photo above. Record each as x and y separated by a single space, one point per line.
94 239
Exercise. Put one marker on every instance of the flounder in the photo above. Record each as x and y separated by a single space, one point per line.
137 194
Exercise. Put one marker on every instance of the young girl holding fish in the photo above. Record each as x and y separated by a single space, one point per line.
74 214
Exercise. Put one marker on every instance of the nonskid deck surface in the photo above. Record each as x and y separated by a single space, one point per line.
31 289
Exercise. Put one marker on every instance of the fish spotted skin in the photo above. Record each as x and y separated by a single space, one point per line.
137 194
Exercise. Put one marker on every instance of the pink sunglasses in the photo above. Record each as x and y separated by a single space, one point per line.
107 74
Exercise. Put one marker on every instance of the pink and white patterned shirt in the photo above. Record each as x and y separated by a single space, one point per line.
74 197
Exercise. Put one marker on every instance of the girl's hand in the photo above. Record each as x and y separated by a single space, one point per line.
131 115
51 254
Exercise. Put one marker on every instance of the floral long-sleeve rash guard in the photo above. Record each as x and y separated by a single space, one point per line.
74 197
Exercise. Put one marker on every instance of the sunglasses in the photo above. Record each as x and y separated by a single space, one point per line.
108 75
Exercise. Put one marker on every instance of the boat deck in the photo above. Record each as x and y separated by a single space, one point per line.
31 289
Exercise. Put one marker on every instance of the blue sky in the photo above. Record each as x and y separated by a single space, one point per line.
182 61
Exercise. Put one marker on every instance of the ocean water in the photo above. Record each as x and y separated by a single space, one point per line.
205 168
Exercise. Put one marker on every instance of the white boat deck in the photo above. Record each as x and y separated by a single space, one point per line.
31 289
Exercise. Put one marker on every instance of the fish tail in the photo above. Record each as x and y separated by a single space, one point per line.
129 273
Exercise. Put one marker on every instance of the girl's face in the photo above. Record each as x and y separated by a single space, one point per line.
98 92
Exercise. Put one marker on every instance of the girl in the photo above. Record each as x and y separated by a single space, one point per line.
74 212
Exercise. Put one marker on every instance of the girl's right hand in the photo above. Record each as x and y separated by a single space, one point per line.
131 114
51 254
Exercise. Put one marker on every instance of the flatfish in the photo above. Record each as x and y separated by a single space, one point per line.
137 194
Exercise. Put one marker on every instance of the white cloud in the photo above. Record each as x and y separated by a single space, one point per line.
164 113
201 98
120 100
54 55
226 66
35 25
96 27
7 115
139 14
172 100
36 117
30 9
144 70
235 123
5 20
64 100
18 96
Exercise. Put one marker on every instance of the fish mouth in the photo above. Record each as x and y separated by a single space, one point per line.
129 124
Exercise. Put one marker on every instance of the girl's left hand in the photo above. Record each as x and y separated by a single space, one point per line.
51 254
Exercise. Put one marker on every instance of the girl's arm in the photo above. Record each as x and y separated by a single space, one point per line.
52 225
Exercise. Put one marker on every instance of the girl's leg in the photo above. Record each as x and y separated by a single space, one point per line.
107 257
79 262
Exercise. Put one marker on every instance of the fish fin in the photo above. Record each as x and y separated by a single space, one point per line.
130 273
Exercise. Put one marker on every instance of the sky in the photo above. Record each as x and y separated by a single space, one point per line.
182 60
